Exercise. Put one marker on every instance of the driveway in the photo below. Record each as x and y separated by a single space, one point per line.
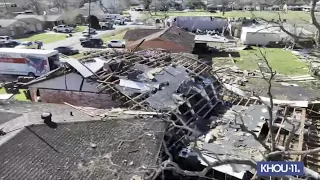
74 40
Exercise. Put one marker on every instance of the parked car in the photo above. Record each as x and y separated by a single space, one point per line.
9 44
85 36
116 44
67 50
14 43
92 31
127 19
106 25
27 45
92 42
119 22
5 39
63 28
2 44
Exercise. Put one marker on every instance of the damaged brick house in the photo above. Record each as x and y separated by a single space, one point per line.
172 39
74 85
184 88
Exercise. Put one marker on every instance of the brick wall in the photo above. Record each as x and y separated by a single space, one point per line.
77 98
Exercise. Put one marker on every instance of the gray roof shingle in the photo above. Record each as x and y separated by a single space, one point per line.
173 34
135 34
51 18
66 152
7 22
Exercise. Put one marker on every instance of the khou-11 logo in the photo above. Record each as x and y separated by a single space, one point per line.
280 168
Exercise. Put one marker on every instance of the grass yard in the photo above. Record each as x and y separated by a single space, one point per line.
282 61
292 16
45 37
18 97
112 36
79 55
80 28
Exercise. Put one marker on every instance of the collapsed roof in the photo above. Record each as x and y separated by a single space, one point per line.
154 80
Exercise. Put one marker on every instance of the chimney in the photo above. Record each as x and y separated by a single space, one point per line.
46 117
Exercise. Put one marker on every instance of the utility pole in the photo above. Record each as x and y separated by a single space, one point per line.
89 17
5 4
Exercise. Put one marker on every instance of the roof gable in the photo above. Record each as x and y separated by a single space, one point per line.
135 34
7 22
172 34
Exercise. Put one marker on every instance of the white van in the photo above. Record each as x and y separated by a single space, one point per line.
31 62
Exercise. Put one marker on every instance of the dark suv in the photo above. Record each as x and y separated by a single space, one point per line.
92 42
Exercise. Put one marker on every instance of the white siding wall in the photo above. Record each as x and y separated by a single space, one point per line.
73 83
257 38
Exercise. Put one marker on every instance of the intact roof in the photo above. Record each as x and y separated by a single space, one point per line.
54 17
20 114
172 34
7 22
68 151
135 34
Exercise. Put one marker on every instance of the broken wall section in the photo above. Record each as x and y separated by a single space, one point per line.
77 98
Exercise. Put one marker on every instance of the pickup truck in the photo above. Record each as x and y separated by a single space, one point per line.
119 22
106 25
5 39
63 28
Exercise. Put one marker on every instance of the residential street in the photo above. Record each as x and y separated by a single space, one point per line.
74 40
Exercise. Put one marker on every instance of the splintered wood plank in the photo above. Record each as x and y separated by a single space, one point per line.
301 133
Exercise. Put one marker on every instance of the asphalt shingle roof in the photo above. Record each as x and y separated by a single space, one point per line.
173 34
135 34
68 152
7 22
51 18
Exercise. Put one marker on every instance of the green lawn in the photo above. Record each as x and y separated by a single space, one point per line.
109 37
18 97
79 55
282 61
292 16
80 28
45 37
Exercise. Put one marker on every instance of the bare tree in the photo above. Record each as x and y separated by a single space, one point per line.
36 6
146 4
71 16
296 37
271 149
60 4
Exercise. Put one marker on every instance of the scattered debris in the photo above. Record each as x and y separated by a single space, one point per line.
289 84
93 145
78 108
136 177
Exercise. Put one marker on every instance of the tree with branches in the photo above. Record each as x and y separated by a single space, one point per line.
271 150
61 4
36 6
295 36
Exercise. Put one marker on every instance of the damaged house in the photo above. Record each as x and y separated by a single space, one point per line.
171 39
201 114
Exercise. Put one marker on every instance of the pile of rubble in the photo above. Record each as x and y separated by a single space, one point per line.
155 82
204 112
